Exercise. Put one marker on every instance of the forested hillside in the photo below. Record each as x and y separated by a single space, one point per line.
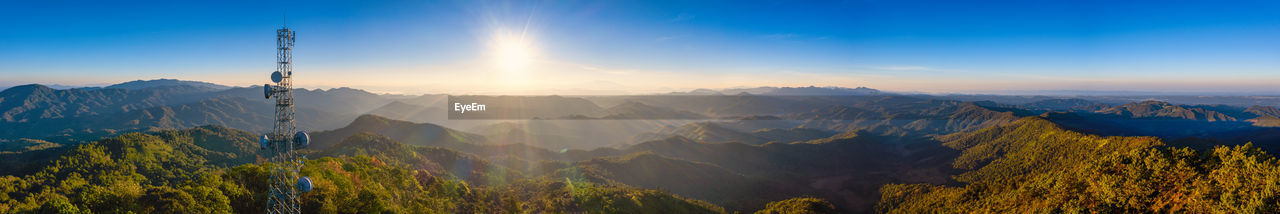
169 147
1034 166
182 172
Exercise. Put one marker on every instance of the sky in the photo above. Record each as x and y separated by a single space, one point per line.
628 47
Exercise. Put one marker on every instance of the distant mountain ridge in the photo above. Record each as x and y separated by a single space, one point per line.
1161 109
38 112
337 100
144 84
31 102
225 111
525 107
418 134
715 133
786 91
901 115
637 110
400 110
1071 104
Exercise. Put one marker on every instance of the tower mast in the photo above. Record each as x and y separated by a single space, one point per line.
284 185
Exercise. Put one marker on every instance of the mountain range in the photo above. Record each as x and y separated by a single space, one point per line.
145 84
785 91
181 146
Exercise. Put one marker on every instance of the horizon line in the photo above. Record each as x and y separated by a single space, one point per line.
639 92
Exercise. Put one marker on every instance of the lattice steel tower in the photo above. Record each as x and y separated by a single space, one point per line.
285 183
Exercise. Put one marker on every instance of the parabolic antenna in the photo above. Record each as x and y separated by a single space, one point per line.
301 139
276 77
304 184
266 90
285 183
265 140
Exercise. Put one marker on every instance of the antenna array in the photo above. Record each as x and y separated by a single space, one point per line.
284 183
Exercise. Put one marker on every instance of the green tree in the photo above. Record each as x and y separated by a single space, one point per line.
806 205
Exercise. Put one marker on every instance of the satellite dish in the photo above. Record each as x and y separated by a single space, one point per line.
301 139
276 77
304 184
266 90
265 141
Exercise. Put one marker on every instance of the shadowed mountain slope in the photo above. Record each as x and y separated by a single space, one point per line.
1072 104
144 84
900 116
636 110
714 132
1159 109
230 112
418 134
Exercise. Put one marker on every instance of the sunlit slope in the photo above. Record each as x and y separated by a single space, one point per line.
1034 166
433 165
1029 146
170 171
190 171
439 161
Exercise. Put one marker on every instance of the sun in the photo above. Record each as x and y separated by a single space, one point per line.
511 52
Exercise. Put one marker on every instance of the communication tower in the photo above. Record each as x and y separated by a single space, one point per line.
285 184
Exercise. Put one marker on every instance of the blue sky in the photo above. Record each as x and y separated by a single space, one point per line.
581 47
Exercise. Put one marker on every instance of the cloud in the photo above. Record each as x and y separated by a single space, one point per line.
683 17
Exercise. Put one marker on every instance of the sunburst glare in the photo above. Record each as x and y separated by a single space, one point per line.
511 52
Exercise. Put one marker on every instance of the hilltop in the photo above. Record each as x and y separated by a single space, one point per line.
1034 165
